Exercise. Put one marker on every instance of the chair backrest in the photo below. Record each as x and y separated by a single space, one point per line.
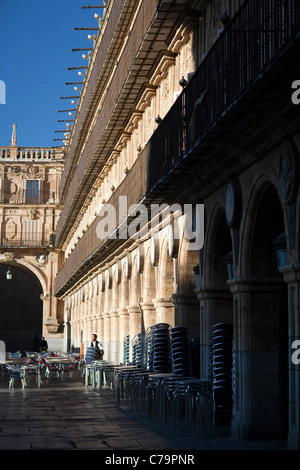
11 371
43 361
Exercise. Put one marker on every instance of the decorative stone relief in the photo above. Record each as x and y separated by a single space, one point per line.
11 229
32 213
52 325
42 259
6 257
288 172
214 13
34 172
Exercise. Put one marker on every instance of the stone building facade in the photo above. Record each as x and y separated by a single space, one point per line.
30 208
188 104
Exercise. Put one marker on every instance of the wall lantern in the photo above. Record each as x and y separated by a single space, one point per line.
225 18
8 274
279 244
229 264
183 82
197 276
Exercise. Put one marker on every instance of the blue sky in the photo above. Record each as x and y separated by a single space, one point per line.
36 42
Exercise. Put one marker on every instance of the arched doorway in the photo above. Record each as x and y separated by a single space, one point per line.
21 308
268 321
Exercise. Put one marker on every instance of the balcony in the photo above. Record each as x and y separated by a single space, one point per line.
250 66
37 240
30 154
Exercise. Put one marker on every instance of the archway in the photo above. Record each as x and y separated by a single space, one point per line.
267 323
21 308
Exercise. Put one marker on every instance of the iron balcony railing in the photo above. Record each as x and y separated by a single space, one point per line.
34 241
252 42
254 39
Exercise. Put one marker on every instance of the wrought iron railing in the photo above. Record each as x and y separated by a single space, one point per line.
31 153
258 34
38 241
260 31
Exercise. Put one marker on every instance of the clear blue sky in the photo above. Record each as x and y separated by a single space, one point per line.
36 42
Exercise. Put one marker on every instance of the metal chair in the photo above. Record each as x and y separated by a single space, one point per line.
14 374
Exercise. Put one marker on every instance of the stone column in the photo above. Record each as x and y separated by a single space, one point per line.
115 341
107 335
124 330
257 405
149 314
187 312
215 306
134 324
291 275
165 311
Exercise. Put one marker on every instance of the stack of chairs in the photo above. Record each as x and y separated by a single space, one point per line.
137 350
161 348
126 346
220 369
92 355
180 351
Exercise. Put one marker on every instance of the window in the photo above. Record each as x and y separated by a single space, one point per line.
32 191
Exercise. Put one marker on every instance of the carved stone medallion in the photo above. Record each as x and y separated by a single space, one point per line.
288 172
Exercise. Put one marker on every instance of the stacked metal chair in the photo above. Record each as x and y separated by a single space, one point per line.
161 348
126 347
137 350
180 351
220 369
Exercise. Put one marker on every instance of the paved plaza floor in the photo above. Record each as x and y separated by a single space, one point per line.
66 415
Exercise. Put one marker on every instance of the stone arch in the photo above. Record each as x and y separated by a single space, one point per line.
124 286
217 245
187 261
262 186
30 268
261 327
25 304
149 284
185 298
135 283
166 271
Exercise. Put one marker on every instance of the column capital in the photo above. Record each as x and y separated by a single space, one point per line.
205 293
163 302
254 285
147 306
291 273
134 309
123 311
184 299
114 314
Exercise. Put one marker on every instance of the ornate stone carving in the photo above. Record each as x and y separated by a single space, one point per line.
35 172
52 325
288 172
214 25
44 297
42 259
32 213
6 257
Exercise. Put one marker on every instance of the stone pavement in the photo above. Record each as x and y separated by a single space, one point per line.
69 416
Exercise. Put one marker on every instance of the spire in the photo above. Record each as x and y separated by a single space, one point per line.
14 136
